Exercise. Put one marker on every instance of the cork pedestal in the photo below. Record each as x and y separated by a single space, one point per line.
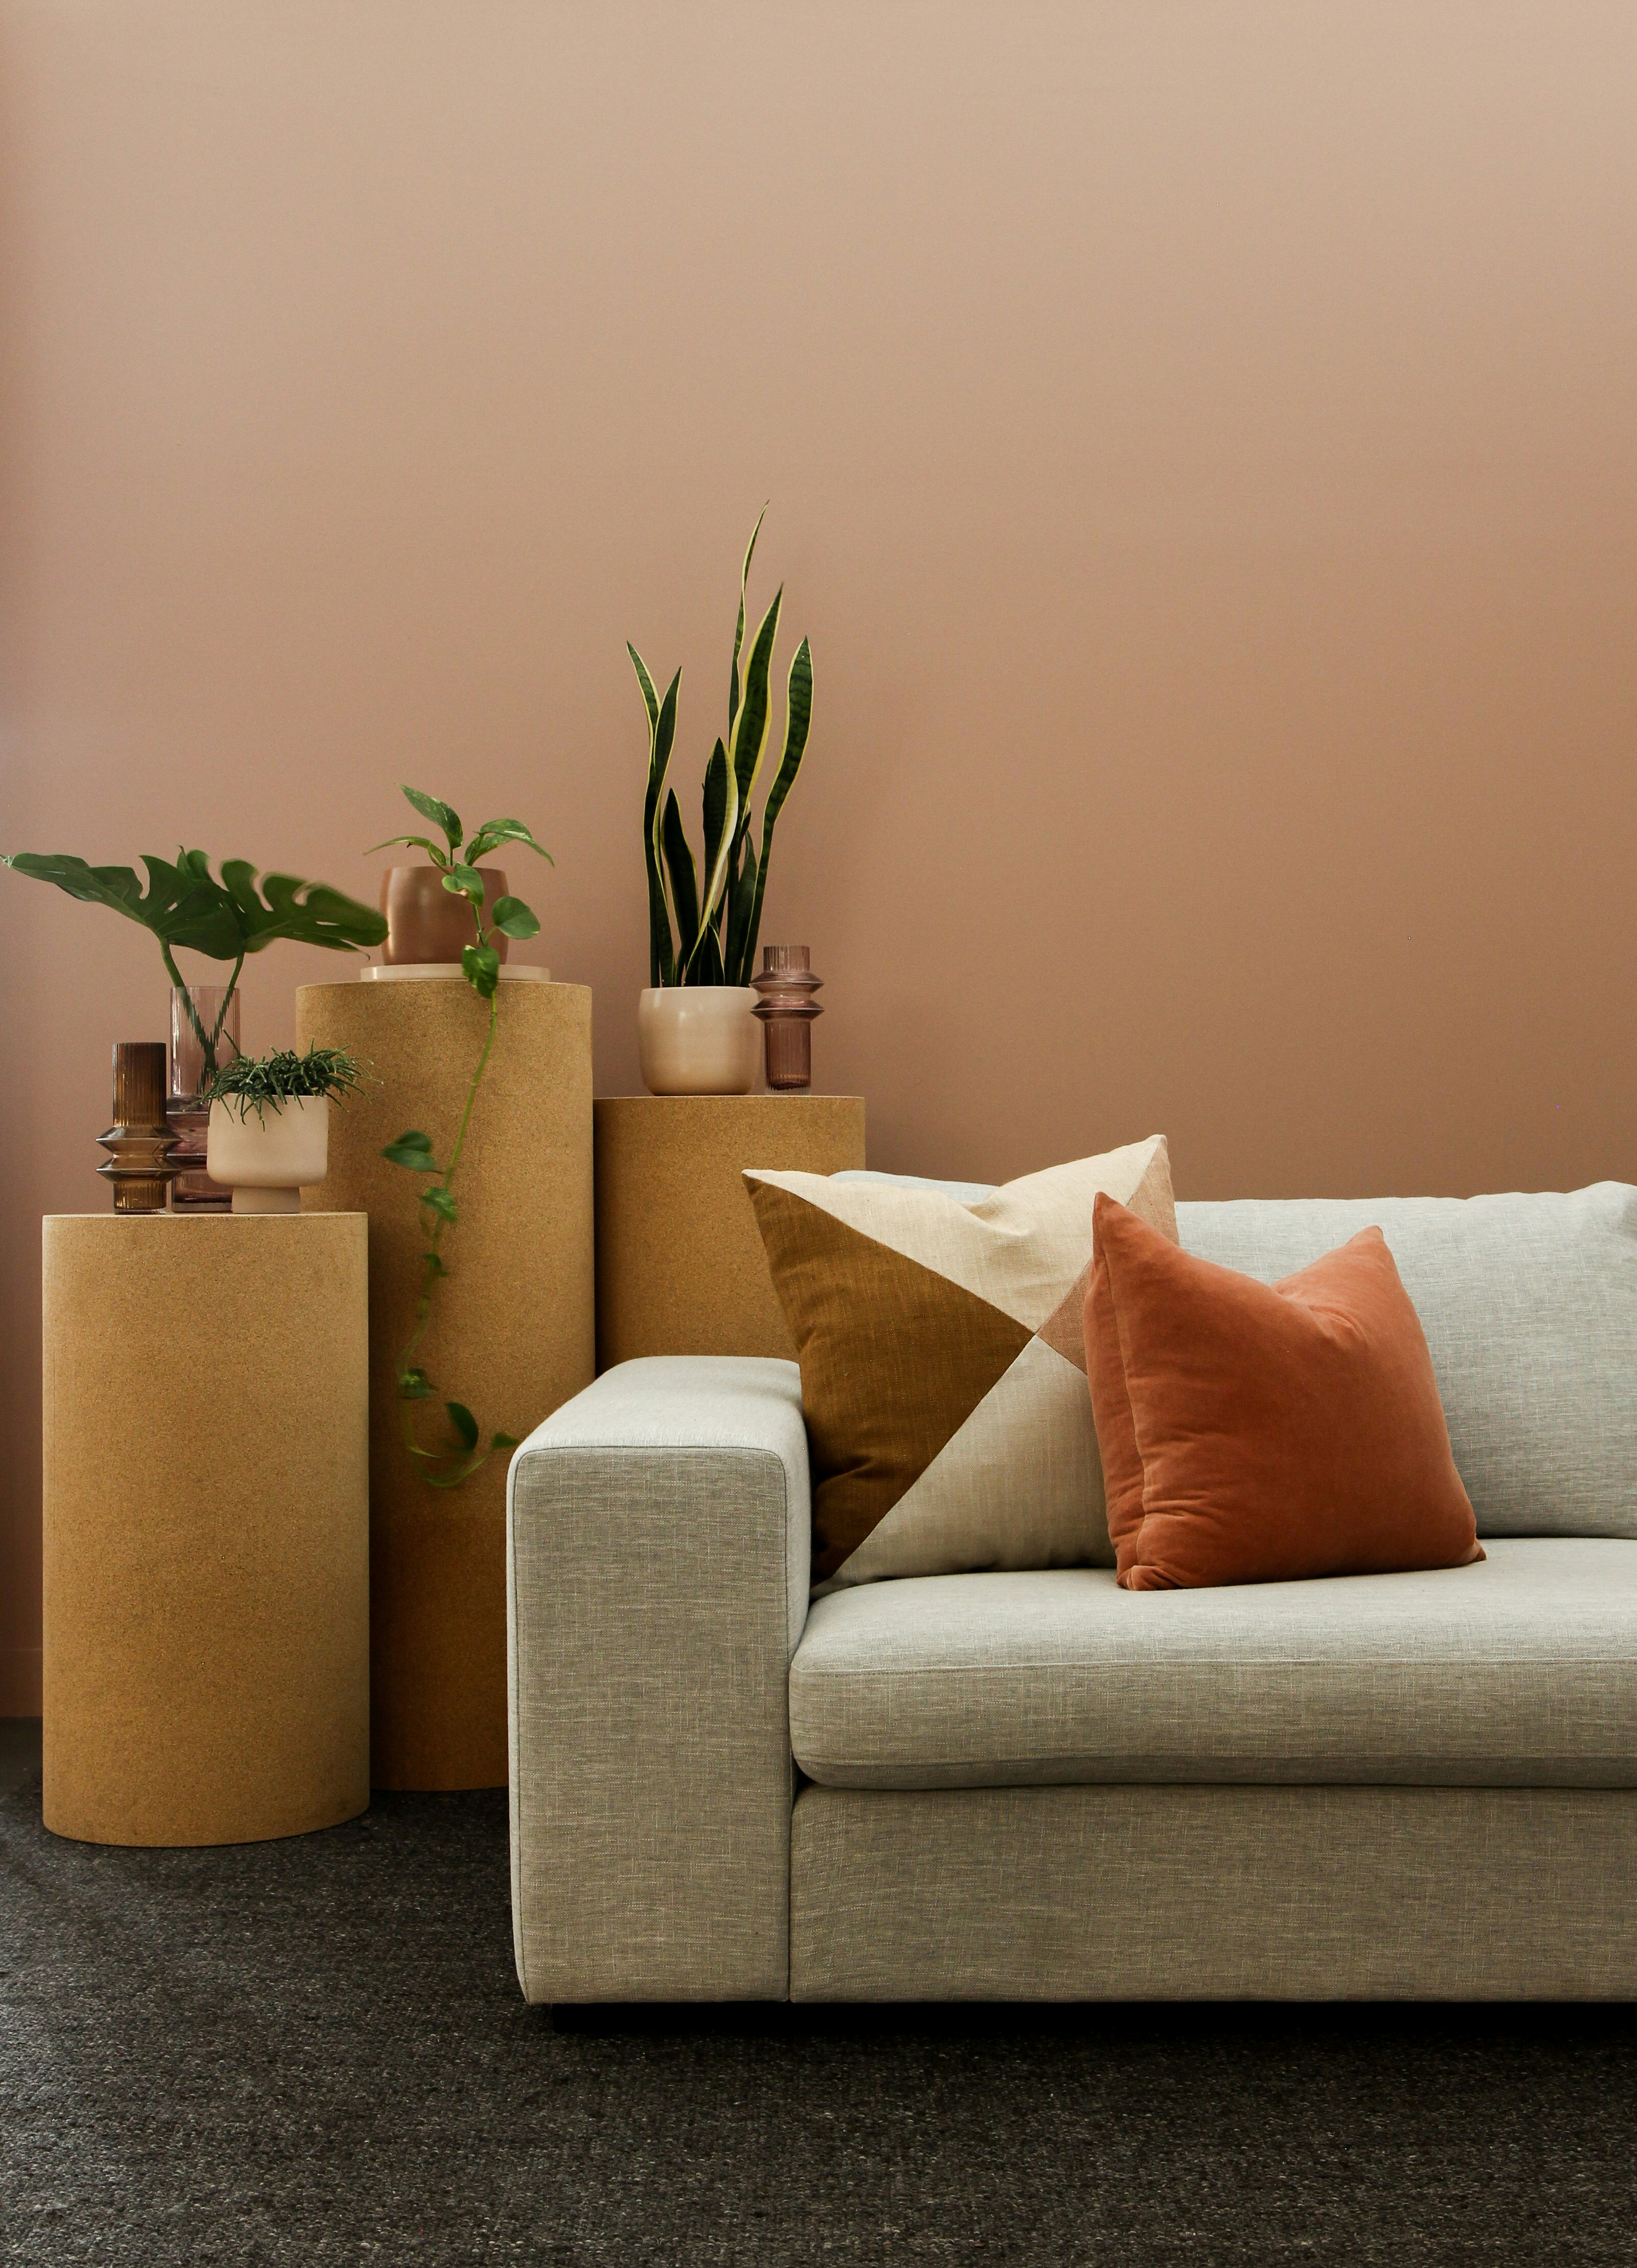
206 1526
512 1335
680 1267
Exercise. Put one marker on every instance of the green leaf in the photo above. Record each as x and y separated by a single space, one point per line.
413 1385
307 913
661 732
465 882
798 718
504 1441
684 883
738 627
750 739
430 806
721 814
464 1425
433 1264
480 965
434 852
439 1201
706 968
413 1150
180 907
512 918
494 832
740 904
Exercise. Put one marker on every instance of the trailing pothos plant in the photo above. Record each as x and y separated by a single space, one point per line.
185 905
458 1457
718 906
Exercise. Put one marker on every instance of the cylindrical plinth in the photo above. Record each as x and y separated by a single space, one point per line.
206 1526
680 1267
512 1335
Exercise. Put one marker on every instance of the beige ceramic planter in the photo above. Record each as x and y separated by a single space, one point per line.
267 1161
698 1039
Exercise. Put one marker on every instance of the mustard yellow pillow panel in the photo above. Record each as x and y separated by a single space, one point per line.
943 1363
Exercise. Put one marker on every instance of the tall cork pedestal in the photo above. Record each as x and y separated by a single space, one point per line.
511 1336
206 1526
680 1267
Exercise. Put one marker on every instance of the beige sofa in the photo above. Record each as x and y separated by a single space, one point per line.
1037 1786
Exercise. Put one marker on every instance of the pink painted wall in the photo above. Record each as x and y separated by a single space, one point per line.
1201 448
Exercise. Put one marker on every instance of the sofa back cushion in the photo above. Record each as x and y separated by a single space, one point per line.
1530 1307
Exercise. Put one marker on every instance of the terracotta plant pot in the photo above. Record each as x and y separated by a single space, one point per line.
425 921
698 1039
267 1160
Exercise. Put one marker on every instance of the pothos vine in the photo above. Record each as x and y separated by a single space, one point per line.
458 1458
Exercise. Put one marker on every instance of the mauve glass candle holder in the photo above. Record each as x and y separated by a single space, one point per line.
786 1007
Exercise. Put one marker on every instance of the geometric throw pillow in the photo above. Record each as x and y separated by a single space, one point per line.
1264 1432
943 1363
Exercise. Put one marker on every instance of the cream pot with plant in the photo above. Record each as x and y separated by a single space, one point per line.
695 1032
269 1123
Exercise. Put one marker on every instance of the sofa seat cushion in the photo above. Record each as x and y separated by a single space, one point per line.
1519 1671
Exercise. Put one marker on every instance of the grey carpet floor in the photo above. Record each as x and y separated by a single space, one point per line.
316 2050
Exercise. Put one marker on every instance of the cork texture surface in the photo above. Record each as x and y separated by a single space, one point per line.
680 1267
206 1650
513 1335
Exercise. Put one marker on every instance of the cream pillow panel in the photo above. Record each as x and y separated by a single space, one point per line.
943 1362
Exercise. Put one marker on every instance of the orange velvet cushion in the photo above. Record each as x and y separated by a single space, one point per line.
1252 1432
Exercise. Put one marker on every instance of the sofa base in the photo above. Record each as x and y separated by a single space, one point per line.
1203 1893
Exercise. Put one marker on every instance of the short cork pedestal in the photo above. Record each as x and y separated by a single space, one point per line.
206 1526
512 1335
680 1267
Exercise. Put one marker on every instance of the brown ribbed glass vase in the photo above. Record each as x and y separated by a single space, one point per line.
139 1142
786 1008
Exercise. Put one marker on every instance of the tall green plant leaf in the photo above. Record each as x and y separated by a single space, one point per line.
739 628
750 733
684 882
721 815
661 731
798 721
740 903
706 966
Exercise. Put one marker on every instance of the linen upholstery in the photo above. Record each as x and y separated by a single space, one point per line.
1530 1307
1258 1432
1201 1893
657 1529
942 1354
1519 1671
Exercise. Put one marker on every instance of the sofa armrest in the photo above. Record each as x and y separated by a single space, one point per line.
656 1559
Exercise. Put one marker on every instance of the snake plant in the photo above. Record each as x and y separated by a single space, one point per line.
717 907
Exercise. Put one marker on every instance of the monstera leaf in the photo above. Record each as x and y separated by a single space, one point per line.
182 904
307 913
185 905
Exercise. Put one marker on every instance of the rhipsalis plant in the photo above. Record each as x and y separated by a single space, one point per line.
458 1457
264 1083
718 907
185 905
